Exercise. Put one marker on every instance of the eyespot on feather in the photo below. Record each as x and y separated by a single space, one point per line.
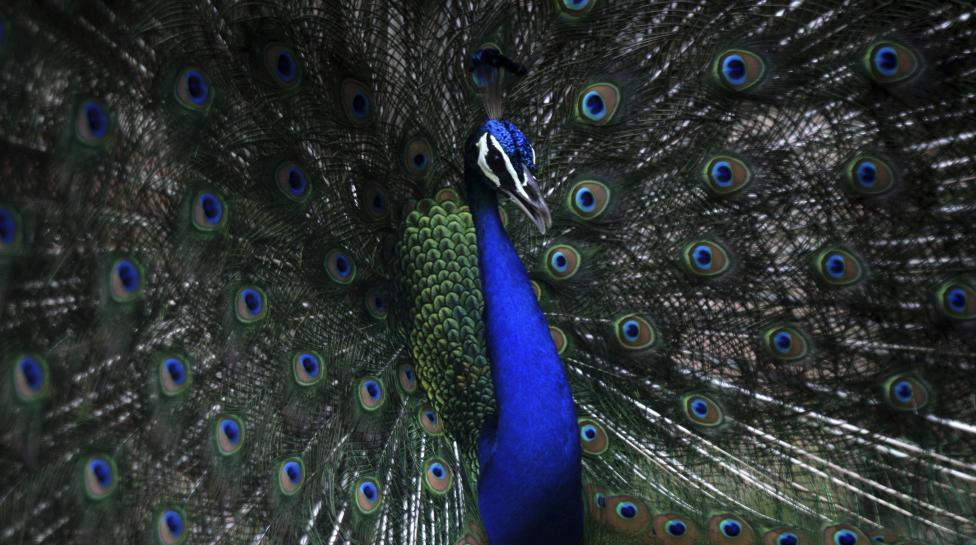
290 475
30 377
593 436
906 393
175 375
729 529
726 175
92 122
307 368
340 266
562 261
588 199
438 476
170 526
738 69
291 180
100 477
786 343
430 421
870 176
126 280
250 305
675 529
635 332
418 157
282 64
702 410
889 62
843 534
368 495
597 104
838 267
356 100
192 90
706 258
371 393
956 300
228 432
785 535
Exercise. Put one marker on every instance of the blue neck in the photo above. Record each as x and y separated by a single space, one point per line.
529 489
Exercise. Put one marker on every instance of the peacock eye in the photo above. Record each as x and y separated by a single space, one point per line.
558 338
957 300
250 305
99 477
356 101
174 375
576 8
340 267
785 343
407 378
292 181
282 64
588 199
597 104
417 157
376 303
739 69
484 74
845 537
634 332
307 368
702 411
839 267
706 258
906 393
374 201
371 394
10 235
291 476
30 378
675 527
125 283
368 495
870 176
171 527
725 175
437 476
562 261
92 122
626 510
208 212
229 435
787 538
192 90
730 528
430 421
891 62
593 437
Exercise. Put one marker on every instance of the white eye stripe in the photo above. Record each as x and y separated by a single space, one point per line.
483 159
508 165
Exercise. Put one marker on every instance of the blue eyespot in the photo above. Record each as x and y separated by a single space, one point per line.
588 433
174 375
176 371
675 528
250 306
845 537
174 523
125 282
213 210
867 174
879 539
722 173
8 228
310 364
734 69
192 90
93 122
730 528
631 330
368 496
559 261
585 200
593 106
627 510
835 265
783 342
229 435
371 394
903 391
30 378
702 256
576 5
294 472
886 61
699 407
787 538
956 300
360 105
297 183
99 477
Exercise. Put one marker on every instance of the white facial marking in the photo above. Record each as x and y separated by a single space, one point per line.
482 160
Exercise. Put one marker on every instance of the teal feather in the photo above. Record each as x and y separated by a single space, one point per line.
202 210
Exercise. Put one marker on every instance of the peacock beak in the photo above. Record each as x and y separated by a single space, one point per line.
529 199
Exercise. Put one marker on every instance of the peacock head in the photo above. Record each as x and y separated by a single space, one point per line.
505 160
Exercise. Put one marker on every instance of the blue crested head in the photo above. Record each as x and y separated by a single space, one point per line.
505 160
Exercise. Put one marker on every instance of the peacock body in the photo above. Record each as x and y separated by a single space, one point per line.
566 271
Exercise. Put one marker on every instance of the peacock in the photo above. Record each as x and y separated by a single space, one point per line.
602 272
